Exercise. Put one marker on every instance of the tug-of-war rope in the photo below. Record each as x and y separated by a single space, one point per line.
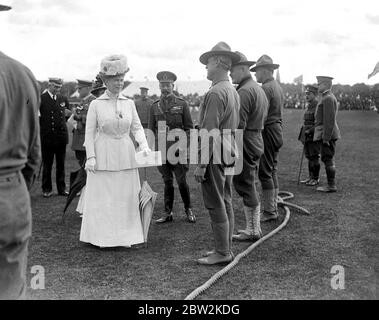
281 202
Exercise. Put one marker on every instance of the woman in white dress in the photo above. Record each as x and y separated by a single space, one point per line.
111 209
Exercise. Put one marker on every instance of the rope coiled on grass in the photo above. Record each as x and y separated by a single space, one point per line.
281 201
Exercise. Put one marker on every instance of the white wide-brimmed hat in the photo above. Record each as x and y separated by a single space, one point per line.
114 65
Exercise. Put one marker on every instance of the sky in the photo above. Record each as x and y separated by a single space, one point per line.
68 38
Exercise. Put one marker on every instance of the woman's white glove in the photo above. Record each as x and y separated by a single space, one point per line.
90 165
146 151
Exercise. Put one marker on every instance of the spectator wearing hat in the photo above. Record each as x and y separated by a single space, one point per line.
253 112
171 113
272 136
311 148
20 154
326 130
98 87
79 115
143 105
219 112
111 214
54 136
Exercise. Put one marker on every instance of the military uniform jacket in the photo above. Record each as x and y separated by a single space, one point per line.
275 97
80 116
53 120
309 122
175 112
326 127
143 108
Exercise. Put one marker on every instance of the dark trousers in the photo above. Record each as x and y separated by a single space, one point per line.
312 153
245 182
180 171
273 141
327 157
81 156
48 154
15 231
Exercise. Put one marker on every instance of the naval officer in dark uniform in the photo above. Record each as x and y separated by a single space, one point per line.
311 148
54 136
168 113
326 130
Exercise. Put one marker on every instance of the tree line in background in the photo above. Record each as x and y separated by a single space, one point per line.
356 97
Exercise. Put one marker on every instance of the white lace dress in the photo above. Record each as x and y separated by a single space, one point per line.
111 204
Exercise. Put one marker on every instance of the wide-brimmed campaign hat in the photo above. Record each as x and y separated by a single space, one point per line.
311 88
265 62
5 5
220 48
321 79
114 65
243 60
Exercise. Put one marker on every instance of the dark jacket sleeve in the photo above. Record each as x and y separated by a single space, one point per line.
329 118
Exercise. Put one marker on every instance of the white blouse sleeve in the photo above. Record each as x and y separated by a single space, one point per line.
137 129
91 125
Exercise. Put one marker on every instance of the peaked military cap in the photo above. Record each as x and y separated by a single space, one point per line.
84 83
166 76
311 88
221 48
144 88
243 60
265 62
321 79
56 81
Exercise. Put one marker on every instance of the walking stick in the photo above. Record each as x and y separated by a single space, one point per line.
301 165
39 171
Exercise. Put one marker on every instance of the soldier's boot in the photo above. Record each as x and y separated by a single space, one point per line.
222 254
190 215
306 181
331 177
253 230
270 211
315 171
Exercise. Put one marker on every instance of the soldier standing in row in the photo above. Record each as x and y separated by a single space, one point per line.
326 130
311 148
272 136
54 136
220 113
80 115
20 154
253 112
168 113
143 105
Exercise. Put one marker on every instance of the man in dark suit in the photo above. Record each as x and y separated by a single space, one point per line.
54 136
326 130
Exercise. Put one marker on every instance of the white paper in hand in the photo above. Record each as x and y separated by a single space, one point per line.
153 159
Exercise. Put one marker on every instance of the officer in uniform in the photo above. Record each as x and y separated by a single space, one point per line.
171 112
54 136
143 105
80 115
326 130
311 148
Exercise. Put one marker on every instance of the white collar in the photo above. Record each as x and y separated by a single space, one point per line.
105 96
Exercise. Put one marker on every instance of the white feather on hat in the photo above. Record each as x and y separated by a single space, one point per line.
114 65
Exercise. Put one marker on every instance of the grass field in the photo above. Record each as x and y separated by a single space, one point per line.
295 264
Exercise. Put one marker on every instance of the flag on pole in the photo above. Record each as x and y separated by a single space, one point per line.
299 79
374 72
277 76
